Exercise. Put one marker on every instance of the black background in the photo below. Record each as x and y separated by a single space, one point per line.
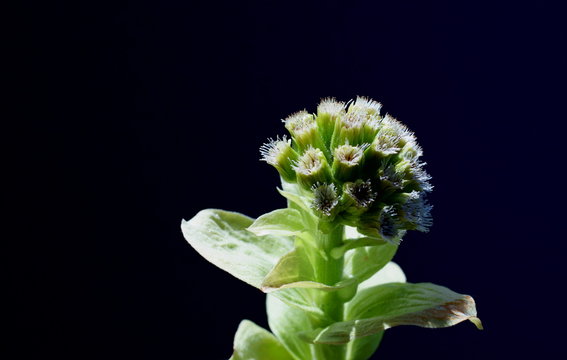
137 114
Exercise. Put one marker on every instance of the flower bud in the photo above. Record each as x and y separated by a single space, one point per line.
280 155
393 126
349 129
370 110
390 226
408 176
303 128
411 152
366 105
391 175
329 112
312 168
325 199
416 212
385 143
383 224
383 147
358 196
420 178
347 160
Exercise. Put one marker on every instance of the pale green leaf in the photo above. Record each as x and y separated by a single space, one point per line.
286 322
286 222
251 342
300 298
221 238
363 348
300 200
294 271
296 196
295 199
292 268
391 273
355 243
361 263
381 307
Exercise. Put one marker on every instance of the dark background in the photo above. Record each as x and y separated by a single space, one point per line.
137 114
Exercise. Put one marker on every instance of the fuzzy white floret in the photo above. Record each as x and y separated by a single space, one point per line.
330 106
309 162
271 150
350 155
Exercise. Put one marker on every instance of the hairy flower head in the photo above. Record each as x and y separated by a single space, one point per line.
312 167
356 166
279 154
325 198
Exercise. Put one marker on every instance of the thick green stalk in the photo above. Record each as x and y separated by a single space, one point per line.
328 271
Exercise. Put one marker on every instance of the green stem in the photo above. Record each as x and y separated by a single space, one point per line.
328 270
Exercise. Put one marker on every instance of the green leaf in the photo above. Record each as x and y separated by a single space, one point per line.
362 348
251 342
221 238
391 273
381 307
297 198
294 271
302 299
355 243
286 322
361 263
285 222
291 269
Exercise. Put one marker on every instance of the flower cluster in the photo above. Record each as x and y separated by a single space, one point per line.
356 167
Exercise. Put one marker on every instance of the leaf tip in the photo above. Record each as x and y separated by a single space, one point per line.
476 321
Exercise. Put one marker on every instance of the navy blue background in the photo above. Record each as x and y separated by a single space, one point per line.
138 114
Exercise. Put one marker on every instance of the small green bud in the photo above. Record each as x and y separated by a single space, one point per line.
280 155
358 196
411 152
416 212
349 129
382 224
384 146
347 160
390 226
312 168
370 110
403 168
366 105
359 125
393 126
391 175
329 112
420 178
325 199
303 128
386 143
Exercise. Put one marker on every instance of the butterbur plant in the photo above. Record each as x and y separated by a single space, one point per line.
354 185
